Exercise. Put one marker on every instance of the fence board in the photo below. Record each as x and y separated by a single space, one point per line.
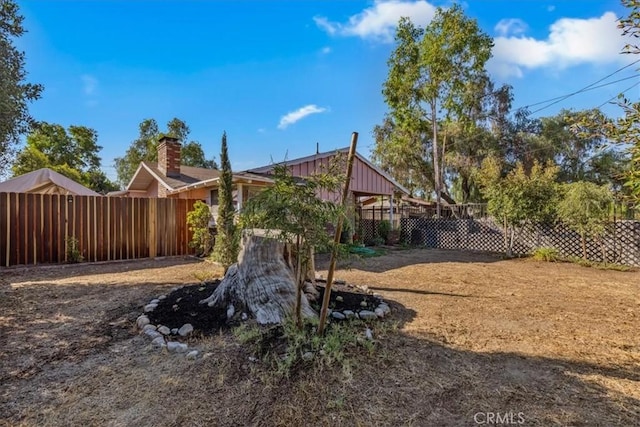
34 227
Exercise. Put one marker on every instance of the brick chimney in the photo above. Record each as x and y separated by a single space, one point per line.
169 156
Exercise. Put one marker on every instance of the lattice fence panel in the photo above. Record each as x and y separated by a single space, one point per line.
367 230
620 244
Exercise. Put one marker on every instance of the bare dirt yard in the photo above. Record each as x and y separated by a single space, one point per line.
471 338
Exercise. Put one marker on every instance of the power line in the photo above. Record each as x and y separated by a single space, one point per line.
615 96
584 89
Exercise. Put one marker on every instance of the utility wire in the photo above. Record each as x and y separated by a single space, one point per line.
615 96
584 89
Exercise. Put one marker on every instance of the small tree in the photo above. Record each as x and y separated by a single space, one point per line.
585 209
298 217
226 247
198 220
518 198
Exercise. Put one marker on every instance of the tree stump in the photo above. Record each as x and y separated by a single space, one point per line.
261 282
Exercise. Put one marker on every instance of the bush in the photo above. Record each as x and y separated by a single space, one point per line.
73 250
198 220
384 228
546 254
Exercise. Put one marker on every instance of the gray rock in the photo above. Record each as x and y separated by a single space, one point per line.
154 301
244 316
379 312
161 297
177 347
363 303
307 356
158 342
338 315
192 355
231 310
369 334
253 359
149 327
349 314
339 298
152 334
164 330
174 331
185 330
150 307
367 315
385 308
141 321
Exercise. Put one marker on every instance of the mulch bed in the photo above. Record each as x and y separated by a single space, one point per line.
183 305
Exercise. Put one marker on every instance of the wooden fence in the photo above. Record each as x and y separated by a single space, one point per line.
37 228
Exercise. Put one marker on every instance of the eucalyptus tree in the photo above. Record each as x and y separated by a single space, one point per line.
427 86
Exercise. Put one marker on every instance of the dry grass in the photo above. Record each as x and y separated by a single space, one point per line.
558 343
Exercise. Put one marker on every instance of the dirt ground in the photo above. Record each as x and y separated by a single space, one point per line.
472 337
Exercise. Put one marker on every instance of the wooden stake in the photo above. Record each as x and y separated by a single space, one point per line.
336 238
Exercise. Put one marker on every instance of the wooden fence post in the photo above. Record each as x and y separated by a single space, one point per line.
153 205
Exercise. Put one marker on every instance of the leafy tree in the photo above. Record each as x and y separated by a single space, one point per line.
15 94
298 214
584 208
226 245
145 148
519 198
428 84
73 152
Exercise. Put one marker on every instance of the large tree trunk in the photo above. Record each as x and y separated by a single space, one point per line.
261 282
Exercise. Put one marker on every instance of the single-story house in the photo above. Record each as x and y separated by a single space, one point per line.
45 181
168 178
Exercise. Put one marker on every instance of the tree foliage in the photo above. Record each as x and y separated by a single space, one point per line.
434 78
73 152
584 207
519 198
226 246
15 93
145 148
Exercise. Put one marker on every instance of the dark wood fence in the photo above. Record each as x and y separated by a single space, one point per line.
37 228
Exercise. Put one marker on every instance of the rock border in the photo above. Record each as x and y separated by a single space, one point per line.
160 336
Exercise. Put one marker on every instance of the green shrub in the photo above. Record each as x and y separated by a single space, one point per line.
198 220
546 254
384 228
73 250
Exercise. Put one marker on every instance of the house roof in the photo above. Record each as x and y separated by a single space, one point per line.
45 181
238 177
148 172
319 156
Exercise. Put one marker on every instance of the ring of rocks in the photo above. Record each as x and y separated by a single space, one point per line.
181 304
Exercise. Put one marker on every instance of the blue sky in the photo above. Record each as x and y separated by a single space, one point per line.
280 77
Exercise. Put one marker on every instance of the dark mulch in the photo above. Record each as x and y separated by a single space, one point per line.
183 305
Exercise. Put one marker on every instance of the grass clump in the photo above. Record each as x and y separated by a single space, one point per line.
285 349
546 254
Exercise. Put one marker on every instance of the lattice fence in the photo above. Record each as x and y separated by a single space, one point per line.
620 244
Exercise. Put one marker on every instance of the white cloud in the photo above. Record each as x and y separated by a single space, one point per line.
510 27
379 21
325 50
570 42
551 8
299 114
89 84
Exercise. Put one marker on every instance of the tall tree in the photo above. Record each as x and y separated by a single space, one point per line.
429 73
226 246
15 94
145 148
72 152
